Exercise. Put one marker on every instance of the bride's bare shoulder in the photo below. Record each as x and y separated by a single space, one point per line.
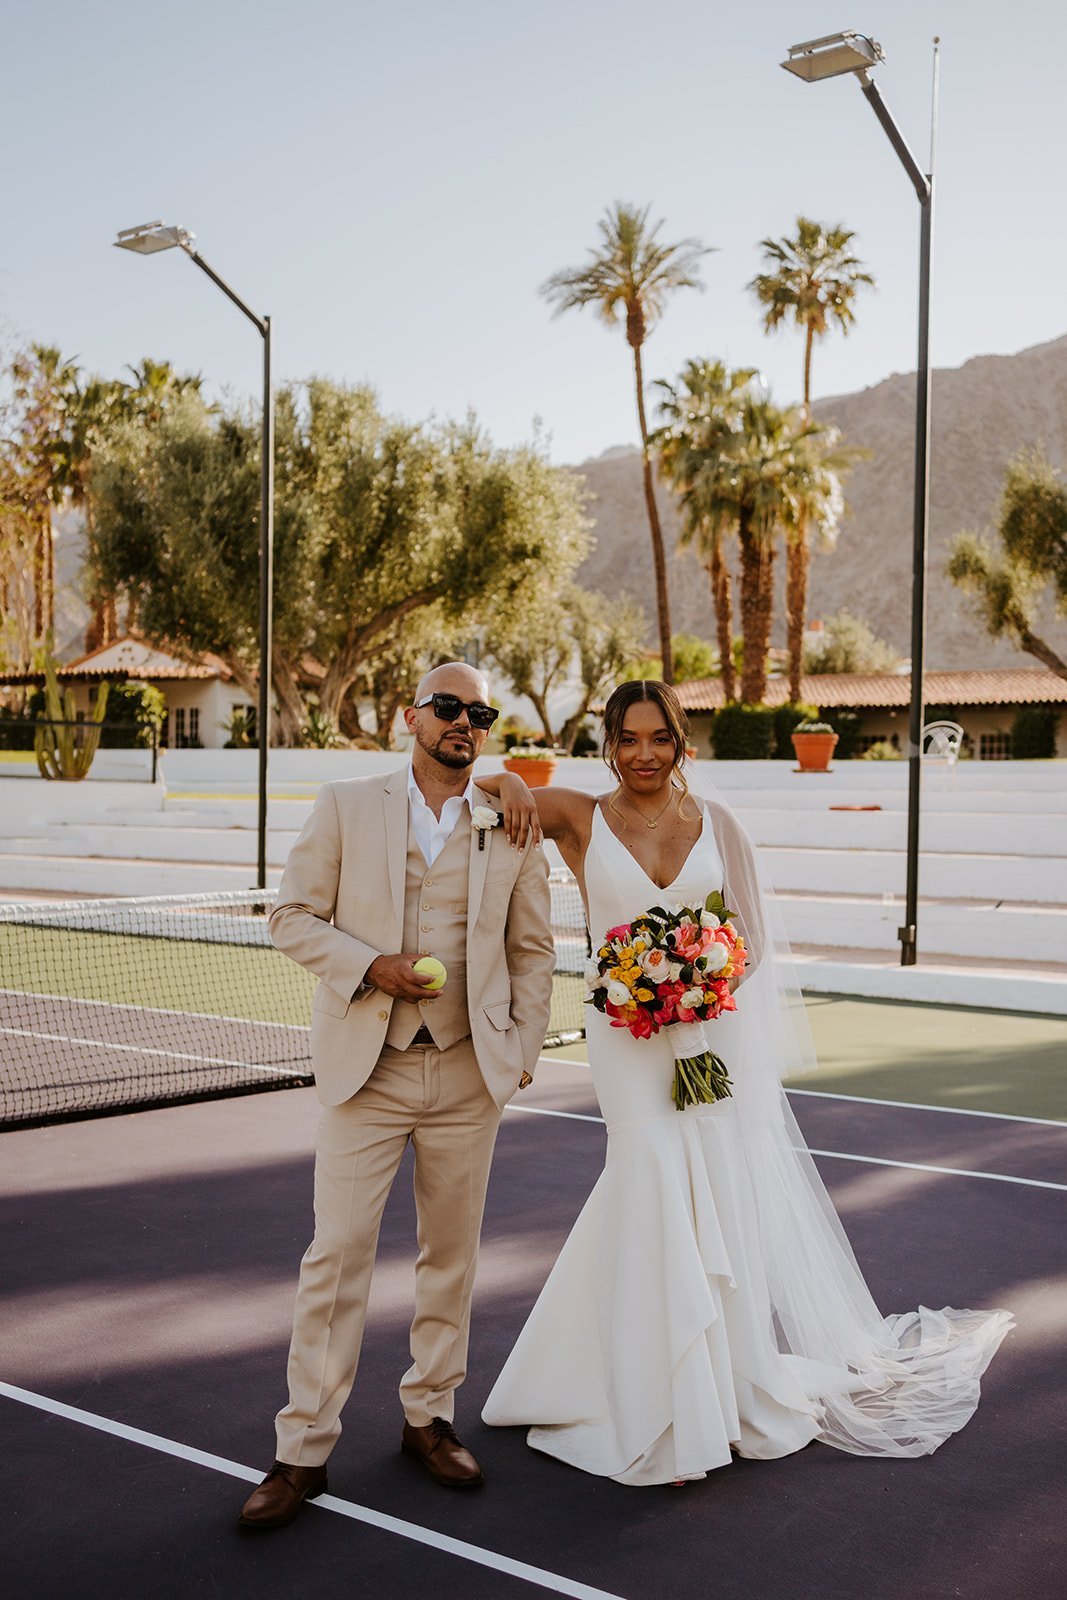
565 812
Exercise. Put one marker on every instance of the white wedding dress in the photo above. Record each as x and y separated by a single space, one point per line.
656 1346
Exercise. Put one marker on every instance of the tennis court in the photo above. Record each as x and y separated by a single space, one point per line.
108 1004
150 1268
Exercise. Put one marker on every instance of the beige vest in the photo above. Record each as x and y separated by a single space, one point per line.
435 924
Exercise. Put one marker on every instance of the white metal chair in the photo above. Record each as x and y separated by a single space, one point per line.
941 741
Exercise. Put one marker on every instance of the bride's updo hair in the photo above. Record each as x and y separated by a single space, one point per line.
627 694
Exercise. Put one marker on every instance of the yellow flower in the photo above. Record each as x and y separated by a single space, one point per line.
643 994
639 945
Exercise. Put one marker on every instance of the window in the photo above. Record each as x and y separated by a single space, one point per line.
194 725
994 746
179 728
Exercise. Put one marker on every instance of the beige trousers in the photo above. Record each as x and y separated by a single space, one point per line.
439 1101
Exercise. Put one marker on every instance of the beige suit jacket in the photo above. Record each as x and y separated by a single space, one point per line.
341 903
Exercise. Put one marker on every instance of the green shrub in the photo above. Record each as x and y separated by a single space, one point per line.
1033 733
846 724
786 719
139 709
881 750
743 733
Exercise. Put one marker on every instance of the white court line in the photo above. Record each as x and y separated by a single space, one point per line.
329 1502
837 1155
141 1050
867 1100
152 1011
912 1105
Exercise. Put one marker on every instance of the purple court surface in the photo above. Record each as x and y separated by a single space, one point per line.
148 1267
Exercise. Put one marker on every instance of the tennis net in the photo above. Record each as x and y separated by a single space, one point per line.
112 1005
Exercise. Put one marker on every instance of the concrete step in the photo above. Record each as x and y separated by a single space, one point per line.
933 981
972 930
942 876
1038 835
76 876
199 846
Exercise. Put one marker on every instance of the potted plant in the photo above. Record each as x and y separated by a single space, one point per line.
814 744
534 764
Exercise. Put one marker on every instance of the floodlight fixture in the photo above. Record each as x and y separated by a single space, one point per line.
833 55
150 237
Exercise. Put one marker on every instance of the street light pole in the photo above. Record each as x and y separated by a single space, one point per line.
856 53
148 239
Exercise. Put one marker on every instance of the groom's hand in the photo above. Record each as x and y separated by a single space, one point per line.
395 975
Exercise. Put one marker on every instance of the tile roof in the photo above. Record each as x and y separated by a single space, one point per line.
1015 686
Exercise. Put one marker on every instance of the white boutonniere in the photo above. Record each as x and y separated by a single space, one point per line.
483 817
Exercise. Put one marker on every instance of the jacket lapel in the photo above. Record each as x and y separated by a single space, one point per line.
395 798
479 864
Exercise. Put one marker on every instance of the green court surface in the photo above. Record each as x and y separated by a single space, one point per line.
934 1056
255 983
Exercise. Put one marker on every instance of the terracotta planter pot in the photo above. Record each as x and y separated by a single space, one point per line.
534 773
813 751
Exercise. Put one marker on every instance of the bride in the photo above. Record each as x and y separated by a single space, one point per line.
707 1299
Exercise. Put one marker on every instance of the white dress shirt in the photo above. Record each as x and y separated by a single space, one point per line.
431 834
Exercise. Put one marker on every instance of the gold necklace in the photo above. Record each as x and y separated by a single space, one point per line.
654 823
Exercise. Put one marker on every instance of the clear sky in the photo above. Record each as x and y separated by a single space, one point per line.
393 181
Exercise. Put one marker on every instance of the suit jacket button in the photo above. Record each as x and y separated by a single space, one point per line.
383 1016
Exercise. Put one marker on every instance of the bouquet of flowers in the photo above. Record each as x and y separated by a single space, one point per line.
672 969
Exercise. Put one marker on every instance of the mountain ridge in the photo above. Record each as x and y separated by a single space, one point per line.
982 413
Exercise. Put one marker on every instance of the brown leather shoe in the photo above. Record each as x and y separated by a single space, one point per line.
281 1494
445 1459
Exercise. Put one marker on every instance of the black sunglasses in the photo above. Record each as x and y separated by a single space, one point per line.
447 707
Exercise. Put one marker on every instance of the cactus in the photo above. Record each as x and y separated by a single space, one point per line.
55 743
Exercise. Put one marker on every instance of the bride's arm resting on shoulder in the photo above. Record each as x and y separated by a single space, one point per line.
550 814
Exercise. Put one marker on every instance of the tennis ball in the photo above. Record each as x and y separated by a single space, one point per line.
435 970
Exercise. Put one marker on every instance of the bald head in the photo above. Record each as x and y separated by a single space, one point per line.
454 677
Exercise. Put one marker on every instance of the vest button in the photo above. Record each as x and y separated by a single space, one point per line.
429 883
426 906
383 1016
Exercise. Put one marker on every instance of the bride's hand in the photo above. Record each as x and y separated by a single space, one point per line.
521 821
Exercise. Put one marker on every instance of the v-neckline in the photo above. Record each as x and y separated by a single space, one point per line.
660 888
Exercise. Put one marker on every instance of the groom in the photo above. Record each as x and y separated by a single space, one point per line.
388 869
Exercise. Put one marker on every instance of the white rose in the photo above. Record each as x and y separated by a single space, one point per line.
709 919
618 993
593 980
655 965
484 817
691 998
716 957
674 971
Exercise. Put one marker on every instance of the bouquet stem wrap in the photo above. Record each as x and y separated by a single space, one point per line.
700 1076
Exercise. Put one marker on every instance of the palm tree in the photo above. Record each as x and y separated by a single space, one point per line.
43 385
633 273
744 467
814 499
814 279
700 413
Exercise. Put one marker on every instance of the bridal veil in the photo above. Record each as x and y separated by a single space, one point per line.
895 1385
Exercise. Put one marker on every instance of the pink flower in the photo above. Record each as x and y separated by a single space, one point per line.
622 933
692 941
